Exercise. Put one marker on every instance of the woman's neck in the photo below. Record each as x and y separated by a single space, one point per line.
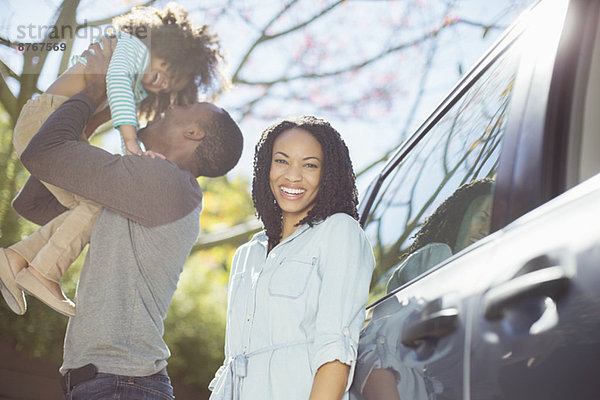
288 226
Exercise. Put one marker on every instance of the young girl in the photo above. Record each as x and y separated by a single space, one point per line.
297 290
159 59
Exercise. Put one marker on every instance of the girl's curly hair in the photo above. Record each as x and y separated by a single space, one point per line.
337 189
191 51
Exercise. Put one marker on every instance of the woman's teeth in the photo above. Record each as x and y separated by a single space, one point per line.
291 191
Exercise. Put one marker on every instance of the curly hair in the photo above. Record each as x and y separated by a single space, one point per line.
190 50
337 189
442 226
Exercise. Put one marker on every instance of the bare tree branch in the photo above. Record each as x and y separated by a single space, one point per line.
5 42
305 23
7 98
5 71
264 37
260 39
347 68
235 235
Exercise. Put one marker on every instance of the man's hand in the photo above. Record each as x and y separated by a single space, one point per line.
98 57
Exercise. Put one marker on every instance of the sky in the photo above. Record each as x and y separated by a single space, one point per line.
357 29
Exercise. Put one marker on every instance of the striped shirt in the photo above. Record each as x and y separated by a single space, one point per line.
124 88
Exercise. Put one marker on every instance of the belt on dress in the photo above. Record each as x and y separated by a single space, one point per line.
227 383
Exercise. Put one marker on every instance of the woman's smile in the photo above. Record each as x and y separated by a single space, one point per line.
291 193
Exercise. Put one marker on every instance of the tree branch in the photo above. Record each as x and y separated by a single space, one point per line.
7 98
235 235
5 42
5 70
305 23
264 37
346 69
260 39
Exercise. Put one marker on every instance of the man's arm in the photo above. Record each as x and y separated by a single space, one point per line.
146 190
35 203
96 120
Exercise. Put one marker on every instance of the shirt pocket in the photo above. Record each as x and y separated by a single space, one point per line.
290 278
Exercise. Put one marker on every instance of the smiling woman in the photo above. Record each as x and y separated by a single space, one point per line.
298 289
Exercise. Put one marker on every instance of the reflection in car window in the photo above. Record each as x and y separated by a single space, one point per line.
462 219
460 151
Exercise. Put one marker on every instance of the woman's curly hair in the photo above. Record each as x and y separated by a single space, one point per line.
190 50
443 225
337 189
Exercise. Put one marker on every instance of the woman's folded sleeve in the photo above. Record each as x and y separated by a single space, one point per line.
345 267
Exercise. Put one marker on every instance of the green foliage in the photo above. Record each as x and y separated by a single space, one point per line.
11 179
227 202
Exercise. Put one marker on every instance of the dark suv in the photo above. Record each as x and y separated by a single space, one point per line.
486 228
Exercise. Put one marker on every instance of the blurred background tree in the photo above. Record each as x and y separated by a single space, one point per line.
374 69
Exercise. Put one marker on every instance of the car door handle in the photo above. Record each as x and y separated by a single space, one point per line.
434 325
550 282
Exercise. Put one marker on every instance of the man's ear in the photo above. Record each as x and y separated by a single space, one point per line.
196 133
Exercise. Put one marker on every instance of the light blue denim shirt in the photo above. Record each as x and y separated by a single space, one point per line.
293 310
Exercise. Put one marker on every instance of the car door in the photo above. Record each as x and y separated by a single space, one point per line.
428 257
534 331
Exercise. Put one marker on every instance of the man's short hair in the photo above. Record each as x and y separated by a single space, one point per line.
221 148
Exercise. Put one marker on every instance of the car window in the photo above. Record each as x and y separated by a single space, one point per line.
438 199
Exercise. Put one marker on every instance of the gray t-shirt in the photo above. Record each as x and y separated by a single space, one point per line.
141 239
125 288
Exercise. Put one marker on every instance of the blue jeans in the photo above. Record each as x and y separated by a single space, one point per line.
109 387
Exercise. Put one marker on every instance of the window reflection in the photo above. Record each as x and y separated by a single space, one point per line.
462 147
462 219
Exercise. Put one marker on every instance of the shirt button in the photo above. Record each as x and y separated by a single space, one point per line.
248 318
244 349
273 255
346 332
